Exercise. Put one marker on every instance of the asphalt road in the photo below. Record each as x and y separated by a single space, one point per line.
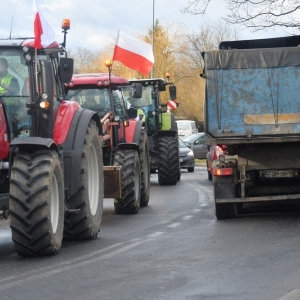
172 249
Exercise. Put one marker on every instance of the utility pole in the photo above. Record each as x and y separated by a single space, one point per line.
152 71
12 19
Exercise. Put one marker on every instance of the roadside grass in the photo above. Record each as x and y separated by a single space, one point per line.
200 161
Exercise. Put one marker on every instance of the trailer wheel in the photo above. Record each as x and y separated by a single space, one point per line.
87 202
36 203
131 182
168 168
145 168
223 190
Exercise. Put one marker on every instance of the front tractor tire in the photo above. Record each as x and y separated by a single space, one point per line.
36 203
168 168
129 203
87 202
145 168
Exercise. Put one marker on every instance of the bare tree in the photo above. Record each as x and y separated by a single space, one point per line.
207 38
255 14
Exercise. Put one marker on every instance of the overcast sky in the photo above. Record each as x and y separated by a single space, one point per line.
95 23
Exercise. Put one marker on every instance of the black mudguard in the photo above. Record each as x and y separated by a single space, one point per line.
72 148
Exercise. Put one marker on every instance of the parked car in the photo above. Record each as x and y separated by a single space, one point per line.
187 159
196 142
186 128
213 154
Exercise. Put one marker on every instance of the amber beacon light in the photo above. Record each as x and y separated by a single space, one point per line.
66 24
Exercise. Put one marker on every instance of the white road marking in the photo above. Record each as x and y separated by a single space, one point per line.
199 189
155 234
174 225
186 217
293 295
196 210
73 266
67 262
133 240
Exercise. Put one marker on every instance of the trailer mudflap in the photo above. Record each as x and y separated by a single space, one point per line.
112 181
259 199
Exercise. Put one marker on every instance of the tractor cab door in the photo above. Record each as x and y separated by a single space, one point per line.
120 115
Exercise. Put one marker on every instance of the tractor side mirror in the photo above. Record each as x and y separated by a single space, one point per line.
132 113
172 91
66 66
137 90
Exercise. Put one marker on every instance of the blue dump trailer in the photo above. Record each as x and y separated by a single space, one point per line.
252 105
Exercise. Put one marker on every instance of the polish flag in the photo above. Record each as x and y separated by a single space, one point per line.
133 53
43 33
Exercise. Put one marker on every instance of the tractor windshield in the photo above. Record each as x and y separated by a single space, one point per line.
94 99
14 90
145 101
145 105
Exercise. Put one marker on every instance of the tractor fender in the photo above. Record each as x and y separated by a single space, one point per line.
67 110
73 146
4 138
166 133
26 144
129 146
133 131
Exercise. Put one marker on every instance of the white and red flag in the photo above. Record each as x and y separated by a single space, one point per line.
43 33
134 53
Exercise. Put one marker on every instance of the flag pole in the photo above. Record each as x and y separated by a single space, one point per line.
36 71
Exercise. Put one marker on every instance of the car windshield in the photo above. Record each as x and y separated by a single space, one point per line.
192 138
181 144
183 125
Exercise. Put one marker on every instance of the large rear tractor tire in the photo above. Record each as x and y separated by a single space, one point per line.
88 200
145 168
223 189
37 203
129 203
168 168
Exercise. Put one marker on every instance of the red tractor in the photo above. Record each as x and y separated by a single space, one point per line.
51 167
124 142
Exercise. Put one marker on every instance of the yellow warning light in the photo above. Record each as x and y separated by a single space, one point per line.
168 75
108 63
45 104
66 24
126 123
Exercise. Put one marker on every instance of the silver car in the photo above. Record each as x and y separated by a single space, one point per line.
187 160
196 142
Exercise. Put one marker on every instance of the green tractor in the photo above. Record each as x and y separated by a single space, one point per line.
161 129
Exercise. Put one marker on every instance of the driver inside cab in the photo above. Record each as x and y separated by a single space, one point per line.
89 100
9 85
130 103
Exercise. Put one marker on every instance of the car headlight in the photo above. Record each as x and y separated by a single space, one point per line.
190 153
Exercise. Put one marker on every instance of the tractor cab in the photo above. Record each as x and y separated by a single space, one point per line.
26 89
161 128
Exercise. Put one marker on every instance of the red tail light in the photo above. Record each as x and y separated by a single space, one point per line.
222 171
